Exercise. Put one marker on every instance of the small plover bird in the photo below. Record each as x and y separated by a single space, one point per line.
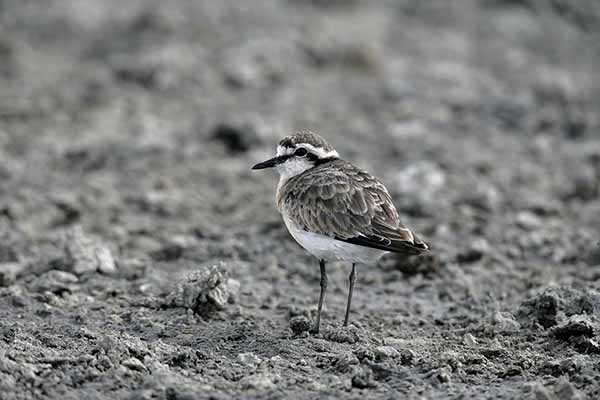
335 210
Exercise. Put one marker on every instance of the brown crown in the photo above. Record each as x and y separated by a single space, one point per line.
305 137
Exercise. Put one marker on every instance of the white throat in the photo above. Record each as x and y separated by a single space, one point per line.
297 165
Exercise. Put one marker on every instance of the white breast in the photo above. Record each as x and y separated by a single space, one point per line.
326 248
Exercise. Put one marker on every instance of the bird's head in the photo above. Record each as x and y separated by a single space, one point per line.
299 152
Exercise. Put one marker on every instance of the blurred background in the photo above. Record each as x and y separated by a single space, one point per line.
136 122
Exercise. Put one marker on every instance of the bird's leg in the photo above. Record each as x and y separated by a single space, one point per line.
352 279
321 296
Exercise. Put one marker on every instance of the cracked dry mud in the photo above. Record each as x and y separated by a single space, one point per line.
142 259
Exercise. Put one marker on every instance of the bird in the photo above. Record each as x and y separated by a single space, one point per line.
336 210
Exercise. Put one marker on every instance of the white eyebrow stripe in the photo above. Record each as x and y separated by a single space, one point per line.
318 151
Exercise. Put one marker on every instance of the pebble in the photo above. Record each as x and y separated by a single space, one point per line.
133 364
528 220
85 254
249 359
299 324
383 352
469 340
362 379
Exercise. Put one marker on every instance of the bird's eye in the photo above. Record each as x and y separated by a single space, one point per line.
301 152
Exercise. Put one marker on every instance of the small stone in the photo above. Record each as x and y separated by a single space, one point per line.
469 340
528 220
249 359
84 254
513 370
362 379
299 324
364 353
134 364
407 356
383 352
106 262
278 361
444 375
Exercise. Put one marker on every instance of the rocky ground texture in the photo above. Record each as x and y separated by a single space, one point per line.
141 258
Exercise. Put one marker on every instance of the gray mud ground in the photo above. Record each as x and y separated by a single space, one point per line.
140 258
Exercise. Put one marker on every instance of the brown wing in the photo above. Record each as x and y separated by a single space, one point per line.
342 201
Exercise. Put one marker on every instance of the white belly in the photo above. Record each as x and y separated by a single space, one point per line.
326 248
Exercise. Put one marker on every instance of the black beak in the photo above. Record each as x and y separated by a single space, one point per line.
270 163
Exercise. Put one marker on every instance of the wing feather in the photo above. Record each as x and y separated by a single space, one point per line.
344 202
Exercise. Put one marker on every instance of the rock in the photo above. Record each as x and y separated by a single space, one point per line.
469 340
204 291
84 254
299 324
364 353
407 356
444 374
249 359
362 379
528 220
106 262
383 352
576 325
134 364
9 271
